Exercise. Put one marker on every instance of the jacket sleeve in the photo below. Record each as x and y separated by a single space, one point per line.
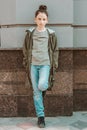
25 53
55 53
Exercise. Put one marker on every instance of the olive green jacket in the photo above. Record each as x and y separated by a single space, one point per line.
52 51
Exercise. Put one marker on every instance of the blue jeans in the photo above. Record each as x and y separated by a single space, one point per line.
39 79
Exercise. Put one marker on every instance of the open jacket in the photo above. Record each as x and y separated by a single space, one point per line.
52 51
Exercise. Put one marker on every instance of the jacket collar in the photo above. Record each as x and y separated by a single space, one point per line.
33 28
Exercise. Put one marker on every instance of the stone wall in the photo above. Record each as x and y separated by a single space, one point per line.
16 95
80 80
68 94
70 90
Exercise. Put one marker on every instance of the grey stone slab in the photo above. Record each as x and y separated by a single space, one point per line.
7 12
14 37
64 36
80 37
80 9
21 32
0 37
8 37
59 11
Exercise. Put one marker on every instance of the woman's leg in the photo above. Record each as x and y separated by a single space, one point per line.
43 77
37 94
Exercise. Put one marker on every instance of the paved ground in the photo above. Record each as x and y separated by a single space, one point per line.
76 122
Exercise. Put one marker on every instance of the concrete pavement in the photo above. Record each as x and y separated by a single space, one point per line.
78 121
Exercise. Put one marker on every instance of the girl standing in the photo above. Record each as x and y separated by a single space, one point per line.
40 52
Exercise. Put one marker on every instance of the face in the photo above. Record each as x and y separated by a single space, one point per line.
41 20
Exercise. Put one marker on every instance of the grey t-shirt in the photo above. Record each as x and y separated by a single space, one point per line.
40 48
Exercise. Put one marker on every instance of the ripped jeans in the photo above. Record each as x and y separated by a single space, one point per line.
39 79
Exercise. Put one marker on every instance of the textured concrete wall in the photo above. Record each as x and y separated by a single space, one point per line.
14 37
73 13
60 11
80 8
20 12
7 12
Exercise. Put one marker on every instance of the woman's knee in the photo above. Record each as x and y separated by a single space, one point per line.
43 86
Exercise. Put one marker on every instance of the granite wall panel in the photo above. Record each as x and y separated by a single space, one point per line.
80 99
65 60
80 59
8 106
16 76
11 60
81 86
53 105
80 76
22 105
80 80
63 83
13 83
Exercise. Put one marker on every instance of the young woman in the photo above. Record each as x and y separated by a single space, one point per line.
40 59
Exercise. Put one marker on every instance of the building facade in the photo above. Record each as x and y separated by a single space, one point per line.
68 18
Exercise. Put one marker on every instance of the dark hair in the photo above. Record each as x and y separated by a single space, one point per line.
42 9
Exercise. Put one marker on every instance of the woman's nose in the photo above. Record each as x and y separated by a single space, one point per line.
41 21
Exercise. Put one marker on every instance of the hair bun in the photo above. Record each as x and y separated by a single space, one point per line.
42 7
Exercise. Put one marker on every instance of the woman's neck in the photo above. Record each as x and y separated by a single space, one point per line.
41 29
